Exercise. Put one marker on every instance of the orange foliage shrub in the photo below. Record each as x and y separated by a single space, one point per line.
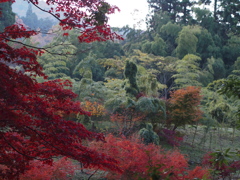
94 108
184 106
142 161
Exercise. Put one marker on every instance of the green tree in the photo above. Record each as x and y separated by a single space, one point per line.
188 71
147 47
178 11
89 68
130 73
219 106
231 51
58 66
153 108
166 69
156 47
236 68
206 47
186 9
7 17
155 73
110 49
89 90
148 135
219 69
80 61
231 88
117 96
171 7
157 20
187 42
148 73
207 72
205 19
169 33
229 15
133 38
113 67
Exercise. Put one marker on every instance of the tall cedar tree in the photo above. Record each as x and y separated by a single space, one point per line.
31 113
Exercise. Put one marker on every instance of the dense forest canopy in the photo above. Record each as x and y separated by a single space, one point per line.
175 84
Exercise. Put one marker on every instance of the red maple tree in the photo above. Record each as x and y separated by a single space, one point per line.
31 121
184 106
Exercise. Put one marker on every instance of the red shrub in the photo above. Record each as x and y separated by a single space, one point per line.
198 172
61 169
145 161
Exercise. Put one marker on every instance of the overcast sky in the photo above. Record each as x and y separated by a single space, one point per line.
132 11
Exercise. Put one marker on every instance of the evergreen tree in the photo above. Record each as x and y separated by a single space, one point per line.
230 16
231 51
7 17
171 7
204 18
148 135
31 19
131 73
186 9
178 11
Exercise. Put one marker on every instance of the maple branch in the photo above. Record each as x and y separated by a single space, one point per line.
45 48
49 13
39 48
93 174
44 139
43 159
73 25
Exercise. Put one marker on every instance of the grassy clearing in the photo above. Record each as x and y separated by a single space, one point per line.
198 141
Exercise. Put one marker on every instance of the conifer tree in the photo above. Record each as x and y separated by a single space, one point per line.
31 19
130 73
7 17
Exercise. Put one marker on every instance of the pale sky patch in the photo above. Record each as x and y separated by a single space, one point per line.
133 13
